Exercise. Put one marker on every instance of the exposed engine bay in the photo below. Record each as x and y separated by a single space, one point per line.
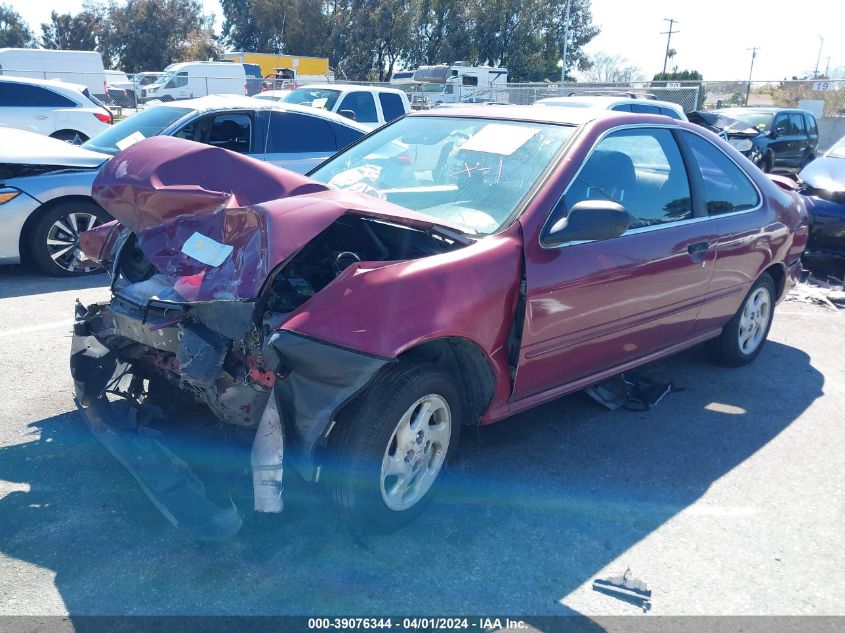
349 240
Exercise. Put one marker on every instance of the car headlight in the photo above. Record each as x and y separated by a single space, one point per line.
741 144
7 195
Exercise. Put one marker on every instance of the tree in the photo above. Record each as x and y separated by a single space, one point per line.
606 68
71 32
299 27
151 34
14 32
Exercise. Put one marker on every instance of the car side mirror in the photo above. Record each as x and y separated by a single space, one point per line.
778 131
590 220
349 114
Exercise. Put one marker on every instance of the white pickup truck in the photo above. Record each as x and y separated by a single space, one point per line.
373 106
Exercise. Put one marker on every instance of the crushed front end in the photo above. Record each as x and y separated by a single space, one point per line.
188 373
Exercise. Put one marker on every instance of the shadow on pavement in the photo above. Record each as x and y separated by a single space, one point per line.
536 506
22 280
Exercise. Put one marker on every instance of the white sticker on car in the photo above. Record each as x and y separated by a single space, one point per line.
495 138
206 250
130 140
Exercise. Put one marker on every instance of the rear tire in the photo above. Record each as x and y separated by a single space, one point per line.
54 239
767 164
389 448
744 335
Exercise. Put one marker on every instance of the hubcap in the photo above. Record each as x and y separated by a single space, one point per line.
416 452
754 321
63 241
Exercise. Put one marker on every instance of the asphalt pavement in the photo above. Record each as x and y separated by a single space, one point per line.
728 498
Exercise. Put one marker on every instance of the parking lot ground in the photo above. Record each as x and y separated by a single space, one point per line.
727 498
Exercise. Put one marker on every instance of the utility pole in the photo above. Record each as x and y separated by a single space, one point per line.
565 40
672 22
827 68
819 58
753 50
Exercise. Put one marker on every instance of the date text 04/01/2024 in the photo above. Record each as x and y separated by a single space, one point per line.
416 623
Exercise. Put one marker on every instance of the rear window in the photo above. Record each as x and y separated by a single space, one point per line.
15 95
391 105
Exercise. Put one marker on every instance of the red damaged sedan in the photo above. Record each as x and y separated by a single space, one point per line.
452 268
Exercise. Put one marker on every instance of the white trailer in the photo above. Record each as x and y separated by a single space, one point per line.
77 67
187 80
455 83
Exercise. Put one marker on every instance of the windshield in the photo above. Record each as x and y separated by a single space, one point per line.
146 123
314 97
838 150
433 87
163 79
760 120
470 173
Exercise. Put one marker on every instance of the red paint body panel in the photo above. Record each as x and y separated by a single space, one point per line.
591 308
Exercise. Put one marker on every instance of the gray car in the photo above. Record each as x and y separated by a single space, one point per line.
45 185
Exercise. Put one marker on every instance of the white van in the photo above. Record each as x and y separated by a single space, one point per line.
187 80
78 67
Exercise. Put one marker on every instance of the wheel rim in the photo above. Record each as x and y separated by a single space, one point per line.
63 241
755 320
416 452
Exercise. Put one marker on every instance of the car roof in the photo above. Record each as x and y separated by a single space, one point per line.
49 83
561 116
352 87
762 109
602 101
217 103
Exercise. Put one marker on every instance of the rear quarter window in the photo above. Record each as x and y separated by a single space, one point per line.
15 95
727 188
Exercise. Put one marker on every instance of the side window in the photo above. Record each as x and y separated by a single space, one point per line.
29 96
299 133
622 107
180 80
469 80
812 128
782 123
797 124
189 130
642 170
391 105
670 113
345 135
362 104
645 109
231 131
726 187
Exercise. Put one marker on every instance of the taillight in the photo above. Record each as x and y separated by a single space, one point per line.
105 118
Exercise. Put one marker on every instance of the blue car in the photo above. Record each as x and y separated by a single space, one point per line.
824 190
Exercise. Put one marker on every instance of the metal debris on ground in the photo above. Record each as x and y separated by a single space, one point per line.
630 391
625 587
828 291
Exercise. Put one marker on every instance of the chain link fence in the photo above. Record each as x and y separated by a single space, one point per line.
826 98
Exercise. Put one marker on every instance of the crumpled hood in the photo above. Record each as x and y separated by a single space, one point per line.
215 223
826 173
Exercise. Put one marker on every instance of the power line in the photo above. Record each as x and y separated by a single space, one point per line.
672 22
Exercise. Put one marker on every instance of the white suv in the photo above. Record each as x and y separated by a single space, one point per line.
372 106
62 110
621 104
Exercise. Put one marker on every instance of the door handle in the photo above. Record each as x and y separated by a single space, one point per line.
698 250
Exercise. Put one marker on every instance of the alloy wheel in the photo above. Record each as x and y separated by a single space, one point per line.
63 241
755 320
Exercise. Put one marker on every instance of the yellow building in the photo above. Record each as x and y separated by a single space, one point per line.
305 67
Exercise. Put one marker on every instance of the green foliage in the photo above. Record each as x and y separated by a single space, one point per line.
71 32
142 35
14 32
684 75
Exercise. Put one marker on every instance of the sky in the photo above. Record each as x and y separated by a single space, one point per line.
713 37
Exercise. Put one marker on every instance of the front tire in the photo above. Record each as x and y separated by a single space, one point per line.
390 447
744 335
54 240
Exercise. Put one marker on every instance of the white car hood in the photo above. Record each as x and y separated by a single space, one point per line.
28 148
